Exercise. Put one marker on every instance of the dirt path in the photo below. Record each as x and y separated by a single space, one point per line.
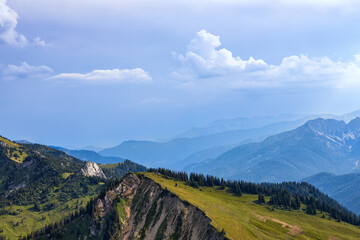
293 229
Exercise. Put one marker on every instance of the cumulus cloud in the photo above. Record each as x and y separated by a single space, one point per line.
203 59
8 22
136 75
8 34
25 71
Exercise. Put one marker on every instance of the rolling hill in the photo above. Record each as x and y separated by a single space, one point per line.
318 146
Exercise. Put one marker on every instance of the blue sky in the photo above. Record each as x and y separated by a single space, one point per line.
75 73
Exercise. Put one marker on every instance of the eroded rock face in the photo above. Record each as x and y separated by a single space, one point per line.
91 169
157 213
153 213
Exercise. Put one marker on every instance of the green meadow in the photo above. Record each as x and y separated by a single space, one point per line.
243 218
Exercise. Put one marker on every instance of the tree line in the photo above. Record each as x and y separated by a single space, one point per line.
288 195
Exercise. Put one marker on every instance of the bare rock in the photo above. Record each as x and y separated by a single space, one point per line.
91 169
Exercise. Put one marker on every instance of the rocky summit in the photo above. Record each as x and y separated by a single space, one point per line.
91 169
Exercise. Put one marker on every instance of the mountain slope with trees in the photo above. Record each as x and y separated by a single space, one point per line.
344 188
163 204
40 185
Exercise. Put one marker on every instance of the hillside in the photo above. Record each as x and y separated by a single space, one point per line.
151 206
344 188
169 154
243 218
40 185
317 146
40 188
134 208
118 170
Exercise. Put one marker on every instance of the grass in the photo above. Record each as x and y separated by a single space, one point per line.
110 165
120 208
26 219
66 175
8 142
14 151
242 218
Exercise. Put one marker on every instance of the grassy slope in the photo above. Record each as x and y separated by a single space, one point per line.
242 218
27 219
14 150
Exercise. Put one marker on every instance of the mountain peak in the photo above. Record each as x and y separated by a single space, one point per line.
328 127
91 169
332 127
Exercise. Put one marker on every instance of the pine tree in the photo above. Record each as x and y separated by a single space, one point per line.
261 198
222 184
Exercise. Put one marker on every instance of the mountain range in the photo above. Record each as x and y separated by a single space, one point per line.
170 154
47 193
209 142
317 146
223 125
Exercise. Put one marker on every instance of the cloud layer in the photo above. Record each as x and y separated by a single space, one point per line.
204 59
25 71
114 76
136 75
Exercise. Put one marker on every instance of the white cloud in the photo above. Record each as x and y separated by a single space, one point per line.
25 71
8 34
114 76
39 42
204 59
136 75
8 22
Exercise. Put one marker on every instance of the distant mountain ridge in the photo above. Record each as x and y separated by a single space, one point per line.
209 142
223 125
166 154
317 146
92 156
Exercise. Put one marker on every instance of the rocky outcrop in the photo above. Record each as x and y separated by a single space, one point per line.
91 169
152 213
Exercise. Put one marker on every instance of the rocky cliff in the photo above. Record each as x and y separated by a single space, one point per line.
147 211
133 208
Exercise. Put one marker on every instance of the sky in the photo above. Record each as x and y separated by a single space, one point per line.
77 73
